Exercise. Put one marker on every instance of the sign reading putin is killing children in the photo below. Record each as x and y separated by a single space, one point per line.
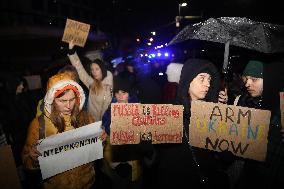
219 127
133 122
76 31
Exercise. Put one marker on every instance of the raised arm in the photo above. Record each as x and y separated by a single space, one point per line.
76 62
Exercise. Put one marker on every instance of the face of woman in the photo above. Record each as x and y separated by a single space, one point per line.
199 86
121 96
65 103
96 71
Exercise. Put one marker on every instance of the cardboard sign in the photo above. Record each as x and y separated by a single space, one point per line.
76 31
220 127
8 171
34 81
159 123
282 108
70 149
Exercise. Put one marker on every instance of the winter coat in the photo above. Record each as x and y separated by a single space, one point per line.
97 103
79 177
182 165
272 170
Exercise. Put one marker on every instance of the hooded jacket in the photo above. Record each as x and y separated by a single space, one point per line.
79 177
180 164
190 70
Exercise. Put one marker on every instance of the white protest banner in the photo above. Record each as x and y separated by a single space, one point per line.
219 127
133 122
70 149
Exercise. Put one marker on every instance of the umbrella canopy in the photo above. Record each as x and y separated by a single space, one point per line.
241 32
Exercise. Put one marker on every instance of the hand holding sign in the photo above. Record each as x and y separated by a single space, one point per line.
71 44
103 135
34 154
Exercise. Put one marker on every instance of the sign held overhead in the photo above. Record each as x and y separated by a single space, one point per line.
76 31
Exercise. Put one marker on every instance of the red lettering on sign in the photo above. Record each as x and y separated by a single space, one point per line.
148 120
175 137
125 110
123 137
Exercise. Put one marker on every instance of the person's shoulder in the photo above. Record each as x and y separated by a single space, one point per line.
34 125
109 74
108 80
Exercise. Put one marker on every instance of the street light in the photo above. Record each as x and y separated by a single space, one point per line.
178 18
181 5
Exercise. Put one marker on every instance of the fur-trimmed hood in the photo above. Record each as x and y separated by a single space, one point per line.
61 82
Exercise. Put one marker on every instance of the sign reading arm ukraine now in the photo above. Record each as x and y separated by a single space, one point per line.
219 127
70 149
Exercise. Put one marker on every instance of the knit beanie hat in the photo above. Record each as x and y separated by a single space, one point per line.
59 83
121 84
254 68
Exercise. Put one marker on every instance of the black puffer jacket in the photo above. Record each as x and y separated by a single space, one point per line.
180 164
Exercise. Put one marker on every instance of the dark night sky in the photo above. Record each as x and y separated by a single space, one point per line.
138 16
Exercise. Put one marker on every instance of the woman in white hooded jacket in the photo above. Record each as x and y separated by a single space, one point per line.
99 83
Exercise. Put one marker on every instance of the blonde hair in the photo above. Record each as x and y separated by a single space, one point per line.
97 86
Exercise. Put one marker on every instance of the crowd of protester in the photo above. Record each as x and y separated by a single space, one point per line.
143 165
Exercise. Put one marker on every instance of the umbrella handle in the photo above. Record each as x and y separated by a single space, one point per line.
226 57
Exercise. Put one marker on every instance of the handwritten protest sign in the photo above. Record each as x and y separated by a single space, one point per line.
76 31
70 149
282 107
220 127
159 123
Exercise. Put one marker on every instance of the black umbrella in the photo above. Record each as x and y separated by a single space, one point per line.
242 32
